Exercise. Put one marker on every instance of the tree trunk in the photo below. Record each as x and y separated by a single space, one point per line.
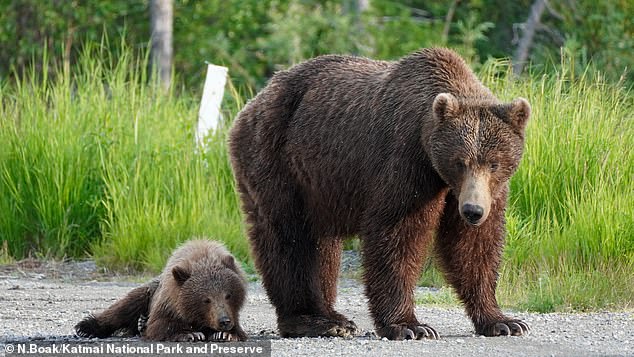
448 19
355 6
528 32
161 18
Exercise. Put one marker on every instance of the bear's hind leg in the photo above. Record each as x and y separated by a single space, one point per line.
470 257
286 256
122 316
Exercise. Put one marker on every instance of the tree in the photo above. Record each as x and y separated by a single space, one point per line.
161 19
528 32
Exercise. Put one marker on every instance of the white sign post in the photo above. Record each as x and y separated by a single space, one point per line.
209 114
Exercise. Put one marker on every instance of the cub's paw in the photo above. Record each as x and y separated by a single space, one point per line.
316 325
509 327
142 323
408 332
189 337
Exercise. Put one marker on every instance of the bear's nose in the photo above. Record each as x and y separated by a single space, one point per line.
472 213
225 323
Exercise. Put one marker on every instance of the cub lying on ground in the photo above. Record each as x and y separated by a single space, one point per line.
197 297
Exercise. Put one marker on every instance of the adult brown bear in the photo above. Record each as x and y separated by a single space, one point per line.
389 151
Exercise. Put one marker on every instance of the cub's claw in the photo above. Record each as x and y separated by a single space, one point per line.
190 337
142 323
222 336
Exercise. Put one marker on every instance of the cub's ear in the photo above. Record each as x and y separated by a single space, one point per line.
519 113
180 274
229 262
445 105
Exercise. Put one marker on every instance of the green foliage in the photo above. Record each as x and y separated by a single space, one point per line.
30 28
254 38
597 33
299 31
223 32
471 32
395 30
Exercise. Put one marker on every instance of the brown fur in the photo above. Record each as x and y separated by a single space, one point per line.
198 296
389 151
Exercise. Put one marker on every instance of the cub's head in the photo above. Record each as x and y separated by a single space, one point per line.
210 298
476 147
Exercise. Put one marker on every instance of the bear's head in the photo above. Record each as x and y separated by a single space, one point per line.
475 147
210 298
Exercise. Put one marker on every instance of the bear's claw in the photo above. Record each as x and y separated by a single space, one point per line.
408 332
222 337
317 325
504 328
190 337
142 323
347 331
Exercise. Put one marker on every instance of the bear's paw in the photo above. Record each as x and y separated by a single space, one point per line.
317 325
407 331
507 327
189 337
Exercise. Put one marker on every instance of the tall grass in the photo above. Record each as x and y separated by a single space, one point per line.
99 161
571 216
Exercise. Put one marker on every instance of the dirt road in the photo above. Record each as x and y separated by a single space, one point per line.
45 303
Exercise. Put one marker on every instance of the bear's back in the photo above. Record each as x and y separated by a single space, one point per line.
336 129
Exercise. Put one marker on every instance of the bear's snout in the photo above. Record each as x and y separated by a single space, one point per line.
474 201
225 323
472 213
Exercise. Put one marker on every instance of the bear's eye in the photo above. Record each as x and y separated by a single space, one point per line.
460 165
494 166
228 296
207 301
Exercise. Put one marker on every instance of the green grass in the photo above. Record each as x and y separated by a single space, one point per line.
571 219
445 296
99 161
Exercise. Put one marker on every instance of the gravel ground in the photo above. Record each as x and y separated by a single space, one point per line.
43 301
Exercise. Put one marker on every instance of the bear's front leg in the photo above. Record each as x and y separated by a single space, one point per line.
392 262
470 257
165 328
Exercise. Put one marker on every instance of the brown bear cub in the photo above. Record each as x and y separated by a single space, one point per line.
197 297
402 154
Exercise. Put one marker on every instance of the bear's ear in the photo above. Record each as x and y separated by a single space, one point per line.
519 112
229 262
445 105
180 274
